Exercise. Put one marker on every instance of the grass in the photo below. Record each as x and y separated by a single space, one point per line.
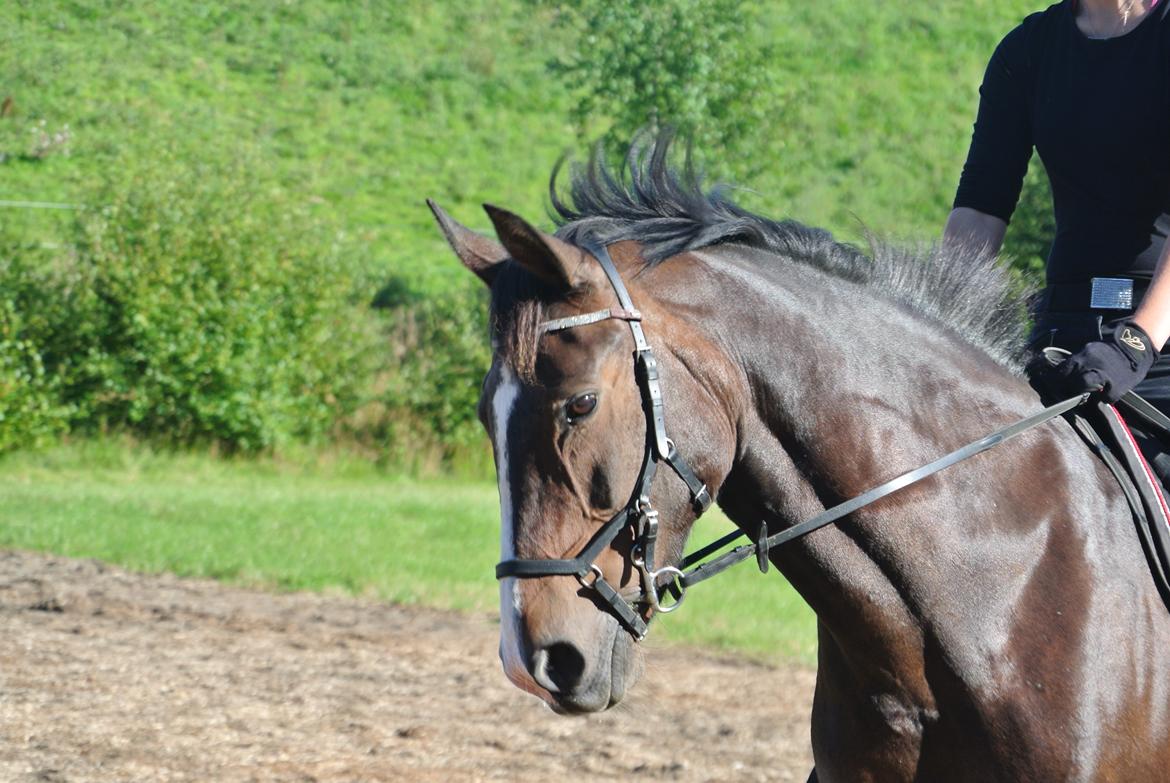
341 527
363 109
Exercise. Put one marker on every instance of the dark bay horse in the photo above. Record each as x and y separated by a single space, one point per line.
995 622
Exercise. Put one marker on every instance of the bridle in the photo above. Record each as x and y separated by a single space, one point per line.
639 515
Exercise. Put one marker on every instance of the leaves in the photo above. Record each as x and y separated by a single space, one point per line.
1033 225
688 64
183 311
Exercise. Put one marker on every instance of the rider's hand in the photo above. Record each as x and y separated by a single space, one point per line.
1110 367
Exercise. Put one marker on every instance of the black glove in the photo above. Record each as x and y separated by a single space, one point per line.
1110 367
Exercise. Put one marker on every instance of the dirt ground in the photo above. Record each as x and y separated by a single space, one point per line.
111 676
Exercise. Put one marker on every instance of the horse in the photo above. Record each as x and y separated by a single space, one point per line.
994 622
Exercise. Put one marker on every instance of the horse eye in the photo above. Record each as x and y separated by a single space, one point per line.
580 406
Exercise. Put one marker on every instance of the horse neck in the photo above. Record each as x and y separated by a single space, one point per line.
842 390
853 385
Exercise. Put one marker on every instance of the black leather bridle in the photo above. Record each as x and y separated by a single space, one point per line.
639 514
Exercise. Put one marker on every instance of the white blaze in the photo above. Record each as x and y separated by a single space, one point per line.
503 403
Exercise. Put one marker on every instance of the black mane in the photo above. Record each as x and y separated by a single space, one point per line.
669 213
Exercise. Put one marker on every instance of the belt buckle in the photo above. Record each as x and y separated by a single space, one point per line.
1111 293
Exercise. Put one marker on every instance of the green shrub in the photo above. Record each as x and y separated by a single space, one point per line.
187 310
1033 225
30 412
440 354
653 63
851 116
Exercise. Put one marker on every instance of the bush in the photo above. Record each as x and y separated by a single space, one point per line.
184 311
440 354
685 64
1033 225
30 413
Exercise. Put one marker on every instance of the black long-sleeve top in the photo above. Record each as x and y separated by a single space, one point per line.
1098 114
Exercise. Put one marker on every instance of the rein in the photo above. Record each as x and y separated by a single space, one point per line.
765 542
640 515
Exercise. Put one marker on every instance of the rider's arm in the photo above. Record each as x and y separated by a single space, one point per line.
1001 145
973 228
1153 315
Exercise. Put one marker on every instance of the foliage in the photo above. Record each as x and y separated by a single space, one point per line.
30 410
685 64
342 117
1033 225
184 311
38 143
441 348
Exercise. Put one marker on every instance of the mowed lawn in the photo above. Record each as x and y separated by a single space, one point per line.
339 528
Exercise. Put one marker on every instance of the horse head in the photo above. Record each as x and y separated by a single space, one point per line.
576 447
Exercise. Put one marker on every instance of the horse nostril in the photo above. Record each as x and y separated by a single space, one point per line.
558 668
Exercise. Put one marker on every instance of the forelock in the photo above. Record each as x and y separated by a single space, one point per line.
519 301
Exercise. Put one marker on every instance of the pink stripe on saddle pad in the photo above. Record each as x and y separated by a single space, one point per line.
1154 482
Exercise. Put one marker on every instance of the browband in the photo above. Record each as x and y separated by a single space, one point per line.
620 313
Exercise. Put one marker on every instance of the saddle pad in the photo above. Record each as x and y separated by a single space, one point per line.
1151 515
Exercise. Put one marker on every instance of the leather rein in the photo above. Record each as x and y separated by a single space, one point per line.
640 516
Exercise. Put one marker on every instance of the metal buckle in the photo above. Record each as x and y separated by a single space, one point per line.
593 569
702 500
1111 293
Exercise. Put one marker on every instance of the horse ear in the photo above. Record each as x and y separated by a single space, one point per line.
552 260
482 255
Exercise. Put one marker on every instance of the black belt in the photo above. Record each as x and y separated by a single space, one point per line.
1078 297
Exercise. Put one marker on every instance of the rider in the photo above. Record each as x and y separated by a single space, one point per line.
1087 84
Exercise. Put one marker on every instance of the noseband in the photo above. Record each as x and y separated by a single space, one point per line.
638 513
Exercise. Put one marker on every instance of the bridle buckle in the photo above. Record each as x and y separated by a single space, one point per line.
582 578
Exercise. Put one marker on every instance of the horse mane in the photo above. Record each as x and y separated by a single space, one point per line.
668 212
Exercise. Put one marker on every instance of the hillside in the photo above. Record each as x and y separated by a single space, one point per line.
363 109
353 113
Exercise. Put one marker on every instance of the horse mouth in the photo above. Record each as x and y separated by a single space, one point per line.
613 673
570 708
585 703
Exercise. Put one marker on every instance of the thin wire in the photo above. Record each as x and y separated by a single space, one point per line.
40 205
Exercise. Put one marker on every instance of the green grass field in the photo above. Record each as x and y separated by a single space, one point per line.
340 527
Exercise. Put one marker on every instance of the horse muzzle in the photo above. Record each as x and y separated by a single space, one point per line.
576 678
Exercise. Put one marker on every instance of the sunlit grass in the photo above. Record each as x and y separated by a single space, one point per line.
342 527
